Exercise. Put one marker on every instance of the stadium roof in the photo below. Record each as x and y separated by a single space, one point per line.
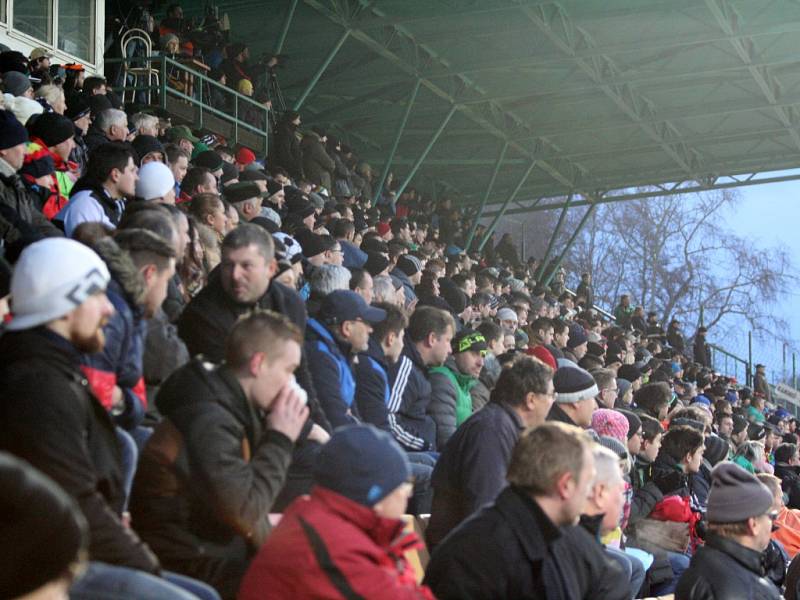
583 97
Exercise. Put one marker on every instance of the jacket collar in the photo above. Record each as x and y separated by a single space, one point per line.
557 414
381 530
748 558
534 529
6 170
322 332
410 351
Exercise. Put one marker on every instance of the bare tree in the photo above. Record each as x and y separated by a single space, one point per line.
673 255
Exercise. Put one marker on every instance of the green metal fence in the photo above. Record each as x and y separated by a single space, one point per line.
165 68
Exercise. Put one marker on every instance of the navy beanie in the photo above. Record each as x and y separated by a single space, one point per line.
361 463
12 133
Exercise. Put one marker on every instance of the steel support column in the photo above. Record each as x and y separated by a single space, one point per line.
325 63
425 152
570 242
388 166
502 211
486 196
287 22
551 244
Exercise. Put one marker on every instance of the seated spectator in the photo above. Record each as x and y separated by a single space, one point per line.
148 149
45 538
182 136
156 183
507 549
52 98
653 400
16 202
246 197
347 538
340 331
110 125
100 196
451 403
426 344
361 283
144 124
207 516
787 469
178 162
18 85
739 527
646 494
209 211
197 180
575 391
471 468
60 307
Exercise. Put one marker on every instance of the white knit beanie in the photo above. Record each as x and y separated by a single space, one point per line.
51 278
155 180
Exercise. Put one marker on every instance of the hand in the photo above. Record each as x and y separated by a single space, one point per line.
117 399
318 434
288 413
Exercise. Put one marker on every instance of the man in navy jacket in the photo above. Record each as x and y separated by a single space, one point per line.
341 330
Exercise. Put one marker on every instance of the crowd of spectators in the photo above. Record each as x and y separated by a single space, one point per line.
225 375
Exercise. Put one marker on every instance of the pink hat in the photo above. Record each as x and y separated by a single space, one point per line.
611 423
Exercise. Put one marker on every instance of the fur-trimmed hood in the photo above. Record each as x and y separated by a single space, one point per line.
122 269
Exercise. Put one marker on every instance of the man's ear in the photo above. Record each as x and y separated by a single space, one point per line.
148 272
254 364
431 339
565 485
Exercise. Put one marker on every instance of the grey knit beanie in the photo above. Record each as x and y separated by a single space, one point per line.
736 495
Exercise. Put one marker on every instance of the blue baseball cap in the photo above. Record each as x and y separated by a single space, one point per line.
346 305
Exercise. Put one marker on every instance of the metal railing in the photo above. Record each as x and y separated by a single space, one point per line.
167 68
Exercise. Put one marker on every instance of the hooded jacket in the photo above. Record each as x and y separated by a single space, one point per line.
208 476
50 418
120 361
328 546
332 375
451 403
409 421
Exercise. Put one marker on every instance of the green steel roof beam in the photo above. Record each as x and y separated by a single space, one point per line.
560 223
327 61
493 126
728 20
499 215
570 242
427 149
401 127
489 187
287 22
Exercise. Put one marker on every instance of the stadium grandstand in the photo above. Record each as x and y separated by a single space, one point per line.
260 339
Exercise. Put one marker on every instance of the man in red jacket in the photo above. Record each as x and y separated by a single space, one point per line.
346 539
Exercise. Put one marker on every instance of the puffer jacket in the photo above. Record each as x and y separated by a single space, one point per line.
17 197
328 546
725 570
317 165
409 420
451 403
208 477
481 392
119 364
332 374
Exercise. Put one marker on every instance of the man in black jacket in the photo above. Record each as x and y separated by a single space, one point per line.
506 549
472 467
209 475
49 416
739 526
242 282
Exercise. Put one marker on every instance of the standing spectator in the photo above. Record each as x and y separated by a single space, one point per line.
471 469
237 423
586 290
317 164
427 344
623 312
702 352
675 337
729 565
340 331
287 145
507 251
451 403
101 194
506 550
346 539
760 383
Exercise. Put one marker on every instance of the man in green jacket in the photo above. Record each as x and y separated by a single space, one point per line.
451 402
